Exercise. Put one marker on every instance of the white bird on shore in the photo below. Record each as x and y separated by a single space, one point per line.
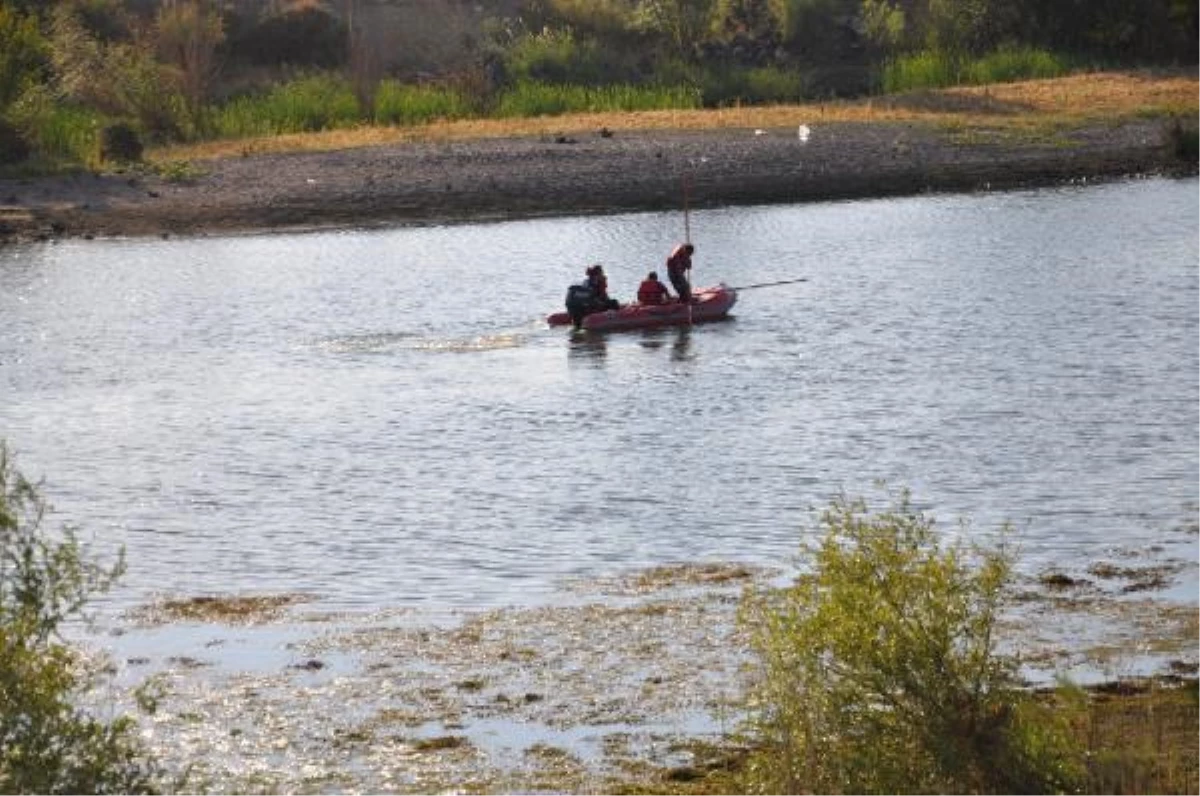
802 133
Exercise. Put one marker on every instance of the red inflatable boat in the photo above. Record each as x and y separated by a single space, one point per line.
708 304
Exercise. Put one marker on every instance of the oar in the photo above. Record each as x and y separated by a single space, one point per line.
772 284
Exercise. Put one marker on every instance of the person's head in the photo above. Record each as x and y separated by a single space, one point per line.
591 269
652 276
689 248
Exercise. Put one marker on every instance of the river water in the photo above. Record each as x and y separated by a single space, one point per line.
380 419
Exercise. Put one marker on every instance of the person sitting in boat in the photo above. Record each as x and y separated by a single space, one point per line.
679 265
651 291
599 282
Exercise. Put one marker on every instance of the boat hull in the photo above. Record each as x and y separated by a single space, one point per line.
709 304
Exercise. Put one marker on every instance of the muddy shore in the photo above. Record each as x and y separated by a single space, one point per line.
581 173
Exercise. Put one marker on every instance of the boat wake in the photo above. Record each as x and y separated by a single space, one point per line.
487 342
393 342
373 343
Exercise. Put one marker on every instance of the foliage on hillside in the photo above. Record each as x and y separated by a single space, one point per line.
201 69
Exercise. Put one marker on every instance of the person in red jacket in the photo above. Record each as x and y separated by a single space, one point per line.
679 264
651 291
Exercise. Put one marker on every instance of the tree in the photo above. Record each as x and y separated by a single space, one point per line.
47 745
684 24
24 54
117 79
188 34
883 24
880 674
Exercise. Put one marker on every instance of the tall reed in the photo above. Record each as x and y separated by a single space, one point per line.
931 69
405 104
309 104
756 86
534 98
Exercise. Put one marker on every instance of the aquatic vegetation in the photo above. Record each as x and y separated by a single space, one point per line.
235 609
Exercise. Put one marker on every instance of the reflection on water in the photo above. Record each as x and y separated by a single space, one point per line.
587 348
263 414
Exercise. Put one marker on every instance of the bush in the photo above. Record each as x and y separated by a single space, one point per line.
120 143
13 146
559 56
752 86
1183 138
879 670
923 70
58 131
305 37
1010 64
46 744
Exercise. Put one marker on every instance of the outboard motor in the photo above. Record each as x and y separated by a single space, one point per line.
579 302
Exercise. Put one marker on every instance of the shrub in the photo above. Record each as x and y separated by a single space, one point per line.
1183 138
58 131
13 146
120 143
559 56
880 671
307 36
923 70
47 745
752 86
1010 64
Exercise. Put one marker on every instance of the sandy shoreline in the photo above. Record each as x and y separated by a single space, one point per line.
418 183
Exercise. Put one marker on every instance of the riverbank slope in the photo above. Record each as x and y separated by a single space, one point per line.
999 137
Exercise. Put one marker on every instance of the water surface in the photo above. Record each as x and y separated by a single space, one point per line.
381 419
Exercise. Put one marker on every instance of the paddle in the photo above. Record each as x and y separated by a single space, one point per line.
772 284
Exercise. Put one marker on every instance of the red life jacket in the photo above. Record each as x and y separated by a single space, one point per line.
651 291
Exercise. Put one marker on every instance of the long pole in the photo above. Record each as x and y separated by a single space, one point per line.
687 236
687 224
772 284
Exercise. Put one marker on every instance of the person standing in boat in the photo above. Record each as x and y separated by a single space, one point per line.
679 266
651 291
599 282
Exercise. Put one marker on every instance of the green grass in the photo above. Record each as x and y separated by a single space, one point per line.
932 69
758 86
532 98
319 102
399 103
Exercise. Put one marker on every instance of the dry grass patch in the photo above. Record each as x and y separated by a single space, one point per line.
1058 101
